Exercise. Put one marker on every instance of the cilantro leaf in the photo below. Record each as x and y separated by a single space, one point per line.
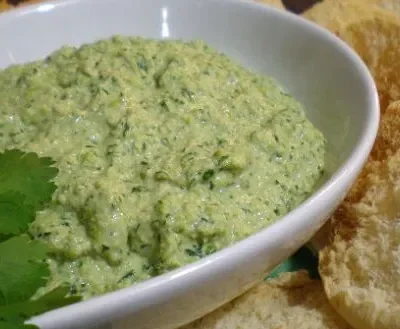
24 310
25 186
22 269
16 325
29 175
14 214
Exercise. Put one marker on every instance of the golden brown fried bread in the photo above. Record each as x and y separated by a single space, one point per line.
293 300
360 266
5 5
373 33
333 14
377 41
388 140
390 5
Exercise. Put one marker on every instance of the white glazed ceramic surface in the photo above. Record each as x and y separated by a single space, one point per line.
314 66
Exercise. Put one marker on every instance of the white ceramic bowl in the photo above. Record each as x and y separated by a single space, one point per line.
313 65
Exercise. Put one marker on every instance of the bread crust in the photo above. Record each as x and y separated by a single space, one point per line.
293 300
373 33
360 266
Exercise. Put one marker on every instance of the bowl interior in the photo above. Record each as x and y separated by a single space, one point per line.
314 73
309 63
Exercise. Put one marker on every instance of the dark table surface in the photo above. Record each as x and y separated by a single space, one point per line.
299 6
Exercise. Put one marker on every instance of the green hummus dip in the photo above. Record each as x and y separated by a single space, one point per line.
168 151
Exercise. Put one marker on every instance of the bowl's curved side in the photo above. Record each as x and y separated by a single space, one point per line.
313 65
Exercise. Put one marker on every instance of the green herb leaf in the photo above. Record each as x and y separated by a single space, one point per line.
29 175
15 215
16 325
22 269
25 187
24 310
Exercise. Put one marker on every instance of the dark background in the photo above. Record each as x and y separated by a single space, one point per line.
299 6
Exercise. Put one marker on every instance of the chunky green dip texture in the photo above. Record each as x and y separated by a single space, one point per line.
168 151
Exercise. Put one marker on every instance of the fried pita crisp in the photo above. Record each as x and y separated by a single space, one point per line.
388 139
373 33
6 5
292 300
377 41
386 143
390 5
335 14
360 266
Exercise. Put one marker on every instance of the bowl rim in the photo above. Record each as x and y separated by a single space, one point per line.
348 169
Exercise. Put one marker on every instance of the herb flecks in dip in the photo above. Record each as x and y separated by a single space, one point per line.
168 151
